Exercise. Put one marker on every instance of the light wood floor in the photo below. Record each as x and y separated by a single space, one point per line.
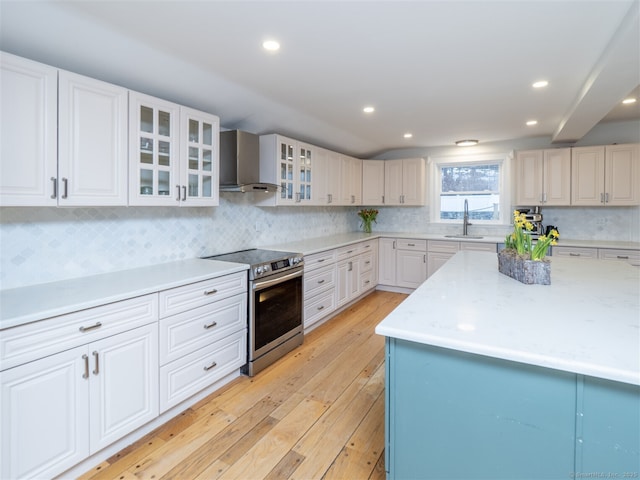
318 413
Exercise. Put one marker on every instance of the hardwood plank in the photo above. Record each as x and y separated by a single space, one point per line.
286 466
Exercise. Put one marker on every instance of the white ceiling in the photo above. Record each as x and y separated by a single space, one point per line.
442 70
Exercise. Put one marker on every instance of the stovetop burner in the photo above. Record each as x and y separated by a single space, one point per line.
263 262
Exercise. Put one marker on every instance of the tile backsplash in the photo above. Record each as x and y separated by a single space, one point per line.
47 244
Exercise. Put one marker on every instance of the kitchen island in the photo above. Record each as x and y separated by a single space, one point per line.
488 378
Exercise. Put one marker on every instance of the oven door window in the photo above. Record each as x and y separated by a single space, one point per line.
278 310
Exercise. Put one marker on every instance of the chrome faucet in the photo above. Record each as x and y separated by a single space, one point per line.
465 218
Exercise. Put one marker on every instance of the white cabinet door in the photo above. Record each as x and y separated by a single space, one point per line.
199 158
124 384
387 261
413 181
92 142
44 412
154 166
348 281
373 182
350 180
528 177
412 268
587 176
28 137
393 182
322 176
622 174
556 188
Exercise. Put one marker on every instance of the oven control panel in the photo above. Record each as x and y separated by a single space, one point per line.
269 268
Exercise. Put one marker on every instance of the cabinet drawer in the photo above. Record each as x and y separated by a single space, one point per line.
319 280
366 262
409 244
348 251
37 340
366 281
574 252
629 256
369 246
479 247
443 246
187 376
319 307
320 259
188 331
180 299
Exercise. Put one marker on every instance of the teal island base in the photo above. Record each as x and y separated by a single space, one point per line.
456 415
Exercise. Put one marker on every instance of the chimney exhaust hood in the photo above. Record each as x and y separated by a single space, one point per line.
240 163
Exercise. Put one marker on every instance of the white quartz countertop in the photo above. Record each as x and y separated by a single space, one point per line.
319 244
587 321
28 304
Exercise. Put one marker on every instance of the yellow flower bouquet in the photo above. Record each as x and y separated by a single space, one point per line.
520 240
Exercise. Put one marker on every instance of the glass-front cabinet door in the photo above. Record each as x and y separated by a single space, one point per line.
199 172
153 151
287 167
304 169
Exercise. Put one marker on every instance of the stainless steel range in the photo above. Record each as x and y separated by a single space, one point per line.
275 304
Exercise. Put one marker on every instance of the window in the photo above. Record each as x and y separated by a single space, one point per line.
480 180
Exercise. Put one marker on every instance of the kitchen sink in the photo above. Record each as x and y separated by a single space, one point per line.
464 236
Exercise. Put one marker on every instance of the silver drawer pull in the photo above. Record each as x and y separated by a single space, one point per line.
210 292
92 327
321 281
623 257
320 260
55 187
85 357
213 364
321 307
367 282
97 370
367 262
350 251
571 254
211 325
411 244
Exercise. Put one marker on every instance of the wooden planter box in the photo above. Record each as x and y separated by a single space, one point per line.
524 270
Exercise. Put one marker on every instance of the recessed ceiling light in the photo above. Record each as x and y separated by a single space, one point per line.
368 109
408 135
628 101
540 84
530 123
271 45
466 143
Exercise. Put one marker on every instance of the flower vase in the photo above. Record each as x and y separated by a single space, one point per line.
523 269
366 226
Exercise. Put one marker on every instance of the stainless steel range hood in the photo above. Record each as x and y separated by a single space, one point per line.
240 163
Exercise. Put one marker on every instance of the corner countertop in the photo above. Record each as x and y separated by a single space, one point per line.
586 322
319 244
36 302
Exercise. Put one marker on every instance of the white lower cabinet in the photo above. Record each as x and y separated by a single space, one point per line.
403 262
348 282
203 335
58 410
574 252
319 287
632 257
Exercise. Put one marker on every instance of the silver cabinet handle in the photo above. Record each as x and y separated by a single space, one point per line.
394 244
424 259
85 357
178 197
367 282
322 281
353 199
65 184
411 244
97 370
211 325
92 327
623 257
350 266
330 198
184 193
320 260
383 199
210 292
571 254
602 198
213 364
55 187
606 198
367 262
321 307
350 251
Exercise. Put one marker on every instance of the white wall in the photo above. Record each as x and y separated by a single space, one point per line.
46 244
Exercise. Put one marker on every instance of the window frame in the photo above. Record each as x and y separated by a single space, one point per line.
502 159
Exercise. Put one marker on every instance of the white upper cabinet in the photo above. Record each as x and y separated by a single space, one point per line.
92 142
64 137
373 182
404 182
28 137
325 180
606 175
350 180
290 165
543 177
173 154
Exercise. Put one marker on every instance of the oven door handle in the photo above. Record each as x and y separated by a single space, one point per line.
267 283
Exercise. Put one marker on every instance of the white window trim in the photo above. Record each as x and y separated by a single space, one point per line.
503 158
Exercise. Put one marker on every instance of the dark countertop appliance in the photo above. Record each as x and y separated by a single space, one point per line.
275 307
